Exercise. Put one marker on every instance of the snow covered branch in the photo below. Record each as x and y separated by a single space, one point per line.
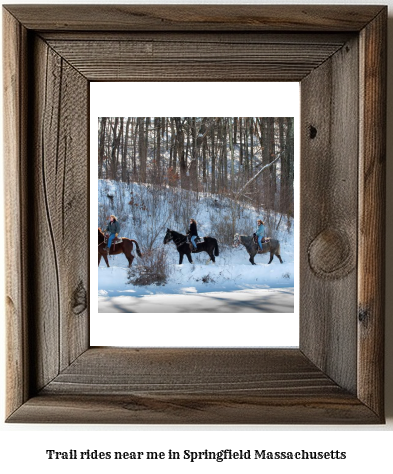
255 176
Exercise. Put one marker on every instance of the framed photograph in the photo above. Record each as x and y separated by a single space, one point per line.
52 55
189 160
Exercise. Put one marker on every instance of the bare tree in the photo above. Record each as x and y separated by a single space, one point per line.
142 150
225 154
101 145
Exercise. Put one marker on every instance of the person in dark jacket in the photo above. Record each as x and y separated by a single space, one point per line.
193 232
113 228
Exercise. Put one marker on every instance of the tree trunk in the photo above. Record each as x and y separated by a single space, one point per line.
172 152
180 152
124 164
246 156
101 146
142 150
241 141
232 152
115 149
157 167
272 149
135 134
251 170
213 162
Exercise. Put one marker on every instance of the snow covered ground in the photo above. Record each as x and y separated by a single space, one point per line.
244 301
232 284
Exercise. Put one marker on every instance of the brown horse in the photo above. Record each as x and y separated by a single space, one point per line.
125 247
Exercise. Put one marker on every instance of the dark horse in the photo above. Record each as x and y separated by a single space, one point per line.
125 247
272 246
208 245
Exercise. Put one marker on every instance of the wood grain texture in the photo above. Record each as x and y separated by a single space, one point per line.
219 60
52 374
66 185
199 18
61 186
201 37
372 198
14 148
239 409
185 371
197 386
328 239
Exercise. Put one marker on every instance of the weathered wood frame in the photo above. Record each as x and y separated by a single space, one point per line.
338 53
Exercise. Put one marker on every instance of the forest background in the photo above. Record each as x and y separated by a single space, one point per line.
244 162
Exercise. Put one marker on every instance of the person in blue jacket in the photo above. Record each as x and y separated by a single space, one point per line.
260 232
113 228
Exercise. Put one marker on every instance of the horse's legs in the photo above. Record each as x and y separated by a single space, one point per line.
252 259
181 258
271 257
130 260
211 255
99 259
279 257
106 259
189 257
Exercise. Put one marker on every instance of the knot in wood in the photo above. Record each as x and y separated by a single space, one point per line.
364 316
313 132
330 254
80 299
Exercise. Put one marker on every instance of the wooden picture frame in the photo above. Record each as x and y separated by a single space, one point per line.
338 54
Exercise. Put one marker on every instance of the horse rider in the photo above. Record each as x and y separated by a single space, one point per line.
113 228
260 232
193 232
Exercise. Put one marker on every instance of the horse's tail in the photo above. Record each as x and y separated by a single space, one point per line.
137 248
216 251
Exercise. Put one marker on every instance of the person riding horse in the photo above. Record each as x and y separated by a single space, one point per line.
113 228
193 233
260 233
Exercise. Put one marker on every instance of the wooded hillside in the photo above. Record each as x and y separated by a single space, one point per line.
245 158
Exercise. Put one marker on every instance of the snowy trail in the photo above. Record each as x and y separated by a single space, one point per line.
243 301
231 285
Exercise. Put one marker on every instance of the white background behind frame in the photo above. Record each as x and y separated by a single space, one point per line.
374 454
191 99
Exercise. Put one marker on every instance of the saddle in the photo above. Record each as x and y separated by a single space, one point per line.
265 240
116 240
197 240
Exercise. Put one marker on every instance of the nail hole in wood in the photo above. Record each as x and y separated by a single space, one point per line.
313 132
363 315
